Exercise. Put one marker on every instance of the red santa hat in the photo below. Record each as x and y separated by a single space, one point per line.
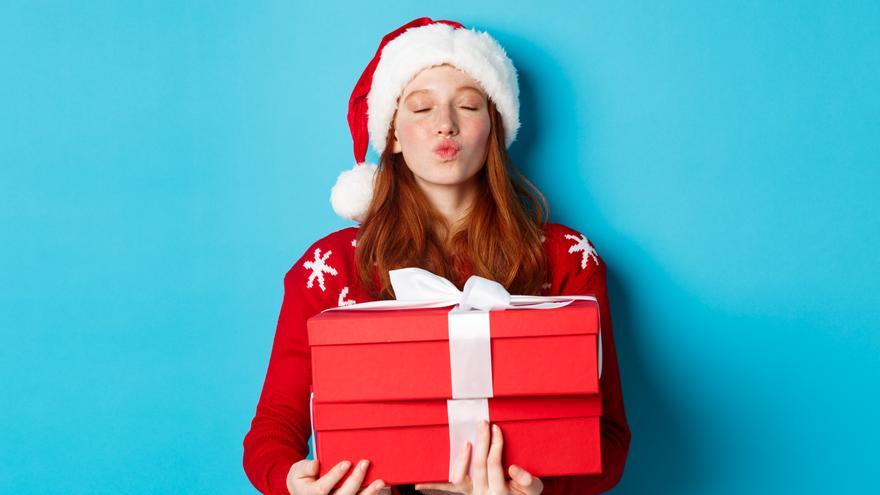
402 54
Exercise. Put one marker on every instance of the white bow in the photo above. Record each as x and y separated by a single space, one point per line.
419 288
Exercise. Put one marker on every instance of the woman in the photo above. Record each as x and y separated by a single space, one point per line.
440 104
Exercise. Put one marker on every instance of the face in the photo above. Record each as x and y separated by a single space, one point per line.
442 106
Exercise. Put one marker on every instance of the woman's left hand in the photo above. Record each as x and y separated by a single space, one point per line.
488 476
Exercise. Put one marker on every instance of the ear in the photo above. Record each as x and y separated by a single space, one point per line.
396 147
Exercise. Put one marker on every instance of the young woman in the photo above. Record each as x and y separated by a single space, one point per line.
440 104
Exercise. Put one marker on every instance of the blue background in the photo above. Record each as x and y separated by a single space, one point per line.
164 164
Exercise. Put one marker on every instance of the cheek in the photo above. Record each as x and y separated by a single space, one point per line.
477 130
410 132
404 135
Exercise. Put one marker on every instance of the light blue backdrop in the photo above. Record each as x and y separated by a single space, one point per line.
162 164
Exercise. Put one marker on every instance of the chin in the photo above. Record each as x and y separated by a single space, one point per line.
444 182
448 173
441 179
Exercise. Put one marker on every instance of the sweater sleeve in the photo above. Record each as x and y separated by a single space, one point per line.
615 433
280 430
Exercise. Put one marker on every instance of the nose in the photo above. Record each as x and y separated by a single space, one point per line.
446 125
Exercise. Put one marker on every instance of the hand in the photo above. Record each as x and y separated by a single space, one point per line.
488 475
301 480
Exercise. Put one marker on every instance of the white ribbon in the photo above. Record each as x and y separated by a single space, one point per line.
312 422
470 353
416 288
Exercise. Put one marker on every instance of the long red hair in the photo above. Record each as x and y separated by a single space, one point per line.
500 238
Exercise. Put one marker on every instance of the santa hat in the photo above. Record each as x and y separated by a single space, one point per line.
403 53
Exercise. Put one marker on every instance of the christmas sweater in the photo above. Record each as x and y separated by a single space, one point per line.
326 276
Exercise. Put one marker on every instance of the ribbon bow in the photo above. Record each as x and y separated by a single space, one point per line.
419 288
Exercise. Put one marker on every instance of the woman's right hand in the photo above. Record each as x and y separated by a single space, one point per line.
301 480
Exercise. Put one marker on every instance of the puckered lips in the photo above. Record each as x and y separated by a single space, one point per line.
447 149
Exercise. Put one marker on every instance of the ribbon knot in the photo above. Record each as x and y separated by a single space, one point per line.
421 286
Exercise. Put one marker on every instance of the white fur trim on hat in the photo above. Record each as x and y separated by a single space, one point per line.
353 191
475 53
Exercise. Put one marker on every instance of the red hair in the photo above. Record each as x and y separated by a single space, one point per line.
500 238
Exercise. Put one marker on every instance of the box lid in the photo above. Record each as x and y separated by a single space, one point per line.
361 415
418 325
404 355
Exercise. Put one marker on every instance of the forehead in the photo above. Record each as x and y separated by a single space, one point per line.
461 89
442 78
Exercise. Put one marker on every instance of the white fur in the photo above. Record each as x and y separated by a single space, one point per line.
475 53
353 191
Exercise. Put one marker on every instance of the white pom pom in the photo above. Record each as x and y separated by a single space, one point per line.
353 191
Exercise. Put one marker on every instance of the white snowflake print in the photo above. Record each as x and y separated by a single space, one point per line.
583 246
546 286
542 237
342 298
354 242
319 267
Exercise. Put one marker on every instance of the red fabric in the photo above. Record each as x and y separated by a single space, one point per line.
280 429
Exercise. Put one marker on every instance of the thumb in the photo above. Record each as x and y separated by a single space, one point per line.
520 475
305 468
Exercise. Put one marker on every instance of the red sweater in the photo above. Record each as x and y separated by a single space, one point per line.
325 276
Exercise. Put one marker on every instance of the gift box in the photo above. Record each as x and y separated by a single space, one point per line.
404 354
403 383
409 441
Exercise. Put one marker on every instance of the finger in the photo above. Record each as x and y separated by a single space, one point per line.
444 487
527 482
495 472
459 480
304 469
301 472
377 487
460 470
353 483
481 450
325 483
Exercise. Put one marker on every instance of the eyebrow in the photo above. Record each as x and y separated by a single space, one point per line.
459 90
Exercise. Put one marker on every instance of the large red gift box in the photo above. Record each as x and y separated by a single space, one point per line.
408 442
404 354
382 384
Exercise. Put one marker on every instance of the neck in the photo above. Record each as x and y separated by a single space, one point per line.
452 201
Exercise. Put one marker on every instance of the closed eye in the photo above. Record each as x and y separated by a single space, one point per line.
426 109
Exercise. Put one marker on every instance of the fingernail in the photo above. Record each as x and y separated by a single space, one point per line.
345 465
515 469
363 464
496 429
380 484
